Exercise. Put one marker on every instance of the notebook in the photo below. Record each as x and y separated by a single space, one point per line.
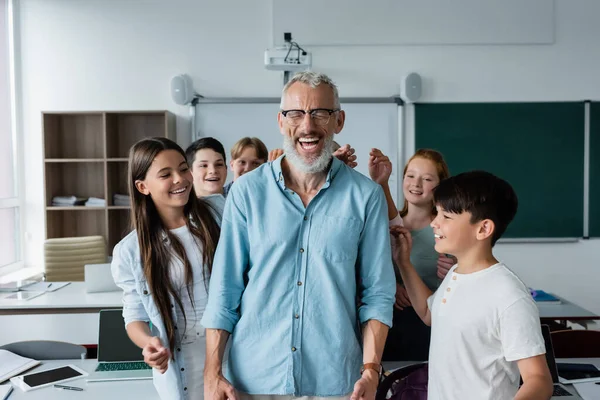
543 297
12 364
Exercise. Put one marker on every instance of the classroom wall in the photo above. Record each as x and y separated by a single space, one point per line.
97 54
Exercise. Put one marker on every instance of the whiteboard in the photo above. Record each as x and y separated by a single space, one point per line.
404 22
367 125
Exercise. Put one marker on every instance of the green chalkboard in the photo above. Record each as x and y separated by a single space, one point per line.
594 169
536 147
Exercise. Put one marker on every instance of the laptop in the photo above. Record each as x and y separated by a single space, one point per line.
98 278
560 391
118 358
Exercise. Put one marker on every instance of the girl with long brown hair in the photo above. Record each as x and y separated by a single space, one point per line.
408 339
163 266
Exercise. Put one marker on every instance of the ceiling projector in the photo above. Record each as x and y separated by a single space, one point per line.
289 57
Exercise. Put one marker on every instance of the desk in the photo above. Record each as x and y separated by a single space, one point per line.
566 311
92 391
69 314
68 300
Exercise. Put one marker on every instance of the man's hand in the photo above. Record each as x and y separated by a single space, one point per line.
366 387
401 245
402 299
380 167
444 264
156 355
216 387
275 154
346 155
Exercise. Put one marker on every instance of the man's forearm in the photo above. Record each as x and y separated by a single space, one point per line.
374 335
216 340
418 292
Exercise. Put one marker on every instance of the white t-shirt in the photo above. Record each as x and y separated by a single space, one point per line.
481 324
191 337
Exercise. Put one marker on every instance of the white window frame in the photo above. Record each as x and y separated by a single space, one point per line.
16 202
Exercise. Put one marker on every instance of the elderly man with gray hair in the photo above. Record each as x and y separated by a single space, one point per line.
302 238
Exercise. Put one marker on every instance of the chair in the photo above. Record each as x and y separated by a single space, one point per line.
46 350
576 343
397 375
65 257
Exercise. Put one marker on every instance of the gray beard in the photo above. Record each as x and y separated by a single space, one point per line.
316 164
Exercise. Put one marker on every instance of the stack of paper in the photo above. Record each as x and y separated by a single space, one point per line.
12 364
588 390
5 390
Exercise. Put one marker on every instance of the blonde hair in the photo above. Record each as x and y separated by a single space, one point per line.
254 142
440 165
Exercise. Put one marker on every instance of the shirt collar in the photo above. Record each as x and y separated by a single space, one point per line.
334 168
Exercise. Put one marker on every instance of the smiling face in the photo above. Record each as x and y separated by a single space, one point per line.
419 181
209 172
246 162
308 141
168 181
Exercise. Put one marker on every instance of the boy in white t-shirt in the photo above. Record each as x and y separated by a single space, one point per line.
485 325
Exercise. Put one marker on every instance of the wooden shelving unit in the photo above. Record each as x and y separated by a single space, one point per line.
85 155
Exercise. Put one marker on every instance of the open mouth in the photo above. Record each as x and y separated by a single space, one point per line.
439 236
179 191
212 179
416 192
309 143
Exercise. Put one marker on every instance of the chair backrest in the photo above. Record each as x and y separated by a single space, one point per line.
65 257
407 383
576 343
46 350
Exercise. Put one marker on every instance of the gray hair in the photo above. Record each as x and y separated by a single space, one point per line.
313 79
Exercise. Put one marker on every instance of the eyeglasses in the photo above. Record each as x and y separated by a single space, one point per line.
320 116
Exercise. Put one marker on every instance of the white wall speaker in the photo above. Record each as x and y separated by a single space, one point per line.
412 87
182 89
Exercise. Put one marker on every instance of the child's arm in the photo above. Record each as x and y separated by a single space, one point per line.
418 292
537 382
380 169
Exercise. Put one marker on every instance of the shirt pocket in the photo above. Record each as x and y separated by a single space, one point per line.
336 238
145 293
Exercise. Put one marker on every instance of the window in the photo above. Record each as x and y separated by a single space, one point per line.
10 204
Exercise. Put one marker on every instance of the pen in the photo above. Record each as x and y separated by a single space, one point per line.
69 388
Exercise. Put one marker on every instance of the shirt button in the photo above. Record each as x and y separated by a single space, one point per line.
301 250
296 316
444 301
305 217
182 369
299 283
454 278
293 349
447 290
145 292
185 389
178 349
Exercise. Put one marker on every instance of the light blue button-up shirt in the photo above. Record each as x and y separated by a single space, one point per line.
286 279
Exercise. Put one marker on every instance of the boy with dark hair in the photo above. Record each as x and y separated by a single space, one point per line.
206 157
485 325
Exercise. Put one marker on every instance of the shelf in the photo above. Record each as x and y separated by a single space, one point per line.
73 160
119 207
73 208
124 130
116 180
74 179
76 222
117 159
73 135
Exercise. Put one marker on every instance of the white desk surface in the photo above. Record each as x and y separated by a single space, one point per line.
142 389
566 311
92 390
71 298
